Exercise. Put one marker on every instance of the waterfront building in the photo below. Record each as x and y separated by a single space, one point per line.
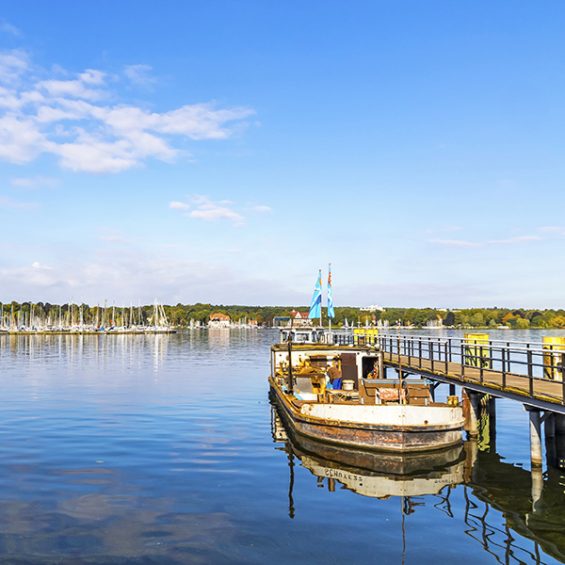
219 320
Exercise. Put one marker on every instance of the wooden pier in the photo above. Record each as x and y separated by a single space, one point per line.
514 370
530 373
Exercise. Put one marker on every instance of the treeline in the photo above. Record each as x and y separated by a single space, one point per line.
182 314
476 317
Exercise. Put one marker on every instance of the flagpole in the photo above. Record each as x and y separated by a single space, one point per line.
321 301
329 317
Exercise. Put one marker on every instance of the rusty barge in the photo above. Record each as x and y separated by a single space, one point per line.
339 394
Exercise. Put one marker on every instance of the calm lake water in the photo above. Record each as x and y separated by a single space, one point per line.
161 449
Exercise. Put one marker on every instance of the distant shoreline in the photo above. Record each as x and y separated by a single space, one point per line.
18 314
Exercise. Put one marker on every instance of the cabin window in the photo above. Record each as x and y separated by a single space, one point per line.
368 364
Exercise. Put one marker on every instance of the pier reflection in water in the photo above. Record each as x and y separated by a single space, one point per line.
532 508
159 449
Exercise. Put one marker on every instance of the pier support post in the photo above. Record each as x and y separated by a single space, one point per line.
559 420
549 425
535 437
471 449
559 441
451 390
550 440
537 486
491 410
473 413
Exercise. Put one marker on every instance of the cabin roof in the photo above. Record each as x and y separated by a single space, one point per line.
299 315
219 317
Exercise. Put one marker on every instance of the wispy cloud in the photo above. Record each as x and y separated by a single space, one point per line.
13 64
437 230
79 121
126 274
113 236
10 29
455 242
515 240
553 230
34 182
262 209
10 203
140 75
203 208
177 205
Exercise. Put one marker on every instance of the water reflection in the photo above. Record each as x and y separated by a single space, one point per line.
158 449
531 505
376 475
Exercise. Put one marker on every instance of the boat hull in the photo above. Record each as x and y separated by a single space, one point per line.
397 430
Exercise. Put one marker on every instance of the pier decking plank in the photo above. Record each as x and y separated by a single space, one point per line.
543 389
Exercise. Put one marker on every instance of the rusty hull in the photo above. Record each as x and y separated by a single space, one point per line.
364 436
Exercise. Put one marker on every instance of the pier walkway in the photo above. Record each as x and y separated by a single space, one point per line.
530 373
517 370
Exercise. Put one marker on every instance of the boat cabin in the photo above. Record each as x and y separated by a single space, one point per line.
342 374
302 335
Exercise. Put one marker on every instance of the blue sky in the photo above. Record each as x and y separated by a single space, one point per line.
224 151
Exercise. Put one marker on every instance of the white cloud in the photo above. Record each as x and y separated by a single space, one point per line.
206 209
553 230
6 202
79 121
262 209
122 275
515 240
140 75
176 205
111 235
203 208
13 64
455 242
20 139
10 29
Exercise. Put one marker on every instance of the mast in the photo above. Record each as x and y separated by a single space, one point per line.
321 293
329 291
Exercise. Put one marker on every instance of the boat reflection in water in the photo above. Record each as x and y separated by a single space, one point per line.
375 474
515 515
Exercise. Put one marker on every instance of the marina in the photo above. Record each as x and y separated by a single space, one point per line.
81 319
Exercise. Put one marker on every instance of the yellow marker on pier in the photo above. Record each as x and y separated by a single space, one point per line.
477 350
365 336
554 359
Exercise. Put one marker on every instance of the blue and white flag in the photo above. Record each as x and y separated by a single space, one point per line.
331 312
316 305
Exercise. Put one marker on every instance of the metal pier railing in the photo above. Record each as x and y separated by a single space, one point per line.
531 370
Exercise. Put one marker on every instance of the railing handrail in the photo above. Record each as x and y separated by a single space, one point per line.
496 343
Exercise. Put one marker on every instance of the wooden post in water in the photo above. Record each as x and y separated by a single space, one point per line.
473 412
550 439
491 409
535 437
537 487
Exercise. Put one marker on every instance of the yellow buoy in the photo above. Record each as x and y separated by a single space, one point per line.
554 358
